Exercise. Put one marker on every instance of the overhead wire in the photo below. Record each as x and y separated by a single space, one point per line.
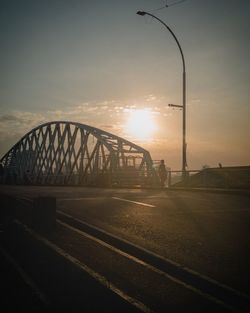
175 3
168 5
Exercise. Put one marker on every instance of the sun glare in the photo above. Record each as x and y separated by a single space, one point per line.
141 124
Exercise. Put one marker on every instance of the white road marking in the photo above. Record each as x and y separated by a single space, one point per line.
152 268
213 281
101 279
136 202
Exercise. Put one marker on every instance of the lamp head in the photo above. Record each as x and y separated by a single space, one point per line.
141 13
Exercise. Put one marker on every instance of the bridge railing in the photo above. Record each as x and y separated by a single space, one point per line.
222 177
176 177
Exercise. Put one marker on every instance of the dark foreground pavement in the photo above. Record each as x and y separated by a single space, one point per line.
205 232
41 280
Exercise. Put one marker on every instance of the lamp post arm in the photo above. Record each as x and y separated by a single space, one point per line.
184 144
172 33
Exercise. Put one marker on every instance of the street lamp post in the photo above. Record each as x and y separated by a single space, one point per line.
183 106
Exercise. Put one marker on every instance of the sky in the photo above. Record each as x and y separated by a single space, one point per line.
100 64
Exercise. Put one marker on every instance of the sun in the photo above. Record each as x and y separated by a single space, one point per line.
141 124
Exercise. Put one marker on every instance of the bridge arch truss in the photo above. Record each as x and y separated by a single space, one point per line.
69 153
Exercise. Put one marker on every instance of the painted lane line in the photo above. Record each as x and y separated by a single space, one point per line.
26 278
148 266
177 265
99 278
136 202
101 242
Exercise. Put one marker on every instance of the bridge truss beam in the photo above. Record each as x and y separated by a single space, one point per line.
68 153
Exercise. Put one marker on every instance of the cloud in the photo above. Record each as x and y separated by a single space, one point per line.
20 120
16 124
110 115
8 118
106 126
194 101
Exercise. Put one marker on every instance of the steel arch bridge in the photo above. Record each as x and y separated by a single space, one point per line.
69 153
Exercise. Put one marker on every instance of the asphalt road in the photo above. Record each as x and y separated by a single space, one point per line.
205 232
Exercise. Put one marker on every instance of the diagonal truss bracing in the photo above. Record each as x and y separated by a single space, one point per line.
68 153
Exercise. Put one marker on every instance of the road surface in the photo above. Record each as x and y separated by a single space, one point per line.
207 233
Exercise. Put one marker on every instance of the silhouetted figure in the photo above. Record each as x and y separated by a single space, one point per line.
163 174
220 165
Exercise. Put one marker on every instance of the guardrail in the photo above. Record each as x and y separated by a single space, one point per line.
227 177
